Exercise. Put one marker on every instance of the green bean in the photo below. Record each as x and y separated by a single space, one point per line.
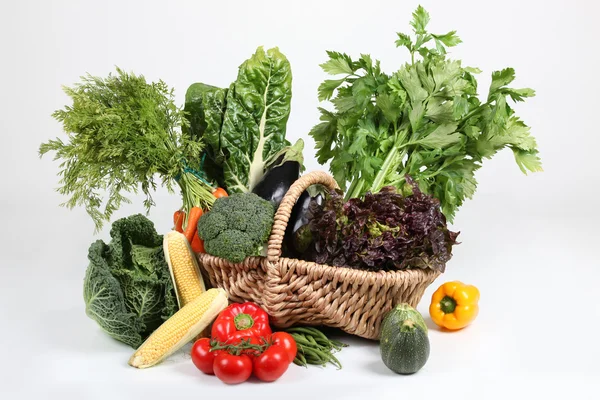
308 330
300 360
299 329
312 341
314 347
335 361
319 357
339 344
318 333
326 344
315 360
316 353
302 340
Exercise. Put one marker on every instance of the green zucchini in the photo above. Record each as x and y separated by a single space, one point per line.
404 344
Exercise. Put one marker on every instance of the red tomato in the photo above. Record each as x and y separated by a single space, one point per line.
232 369
271 364
219 192
286 341
202 357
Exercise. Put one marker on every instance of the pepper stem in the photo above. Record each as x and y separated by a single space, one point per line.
448 305
243 321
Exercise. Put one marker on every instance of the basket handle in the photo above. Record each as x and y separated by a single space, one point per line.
282 215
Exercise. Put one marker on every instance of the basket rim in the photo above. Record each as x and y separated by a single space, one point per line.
312 264
342 273
255 261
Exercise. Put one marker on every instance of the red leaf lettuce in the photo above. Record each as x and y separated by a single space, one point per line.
383 231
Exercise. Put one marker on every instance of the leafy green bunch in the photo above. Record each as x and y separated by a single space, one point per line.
425 120
123 133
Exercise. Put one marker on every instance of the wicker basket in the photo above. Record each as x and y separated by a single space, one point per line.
296 292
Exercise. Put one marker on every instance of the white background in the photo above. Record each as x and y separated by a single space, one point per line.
529 243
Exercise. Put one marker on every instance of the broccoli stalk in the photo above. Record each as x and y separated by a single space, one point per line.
237 226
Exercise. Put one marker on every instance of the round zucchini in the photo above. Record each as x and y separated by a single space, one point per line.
404 344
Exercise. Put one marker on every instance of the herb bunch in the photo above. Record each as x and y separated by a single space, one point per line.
425 120
124 134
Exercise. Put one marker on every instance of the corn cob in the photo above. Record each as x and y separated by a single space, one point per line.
183 266
180 329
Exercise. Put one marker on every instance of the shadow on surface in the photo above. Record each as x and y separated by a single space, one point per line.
71 330
379 368
189 369
430 324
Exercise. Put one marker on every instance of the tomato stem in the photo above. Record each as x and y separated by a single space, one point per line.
237 349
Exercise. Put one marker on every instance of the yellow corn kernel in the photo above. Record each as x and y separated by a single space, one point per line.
184 268
180 329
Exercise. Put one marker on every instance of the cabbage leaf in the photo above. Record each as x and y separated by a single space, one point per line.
127 287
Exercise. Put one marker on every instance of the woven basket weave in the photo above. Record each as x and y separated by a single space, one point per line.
296 292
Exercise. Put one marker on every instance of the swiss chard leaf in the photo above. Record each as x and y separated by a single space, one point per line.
254 126
205 108
245 125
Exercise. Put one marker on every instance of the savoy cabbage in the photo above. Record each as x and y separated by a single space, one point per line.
127 288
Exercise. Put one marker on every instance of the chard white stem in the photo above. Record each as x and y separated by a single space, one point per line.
258 162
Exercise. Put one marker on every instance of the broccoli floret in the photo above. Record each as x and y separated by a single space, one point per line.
230 244
237 226
223 203
211 224
238 220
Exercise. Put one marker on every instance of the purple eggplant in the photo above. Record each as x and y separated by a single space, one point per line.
298 237
276 182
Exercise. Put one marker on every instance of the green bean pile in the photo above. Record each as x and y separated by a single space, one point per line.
314 347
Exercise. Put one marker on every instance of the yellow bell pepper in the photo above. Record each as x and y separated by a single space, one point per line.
454 305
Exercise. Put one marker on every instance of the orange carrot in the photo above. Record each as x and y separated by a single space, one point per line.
219 192
192 223
197 244
178 218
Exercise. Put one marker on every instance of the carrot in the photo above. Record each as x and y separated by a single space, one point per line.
192 223
178 218
219 192
197 244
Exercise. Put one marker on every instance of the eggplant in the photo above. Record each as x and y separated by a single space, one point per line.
298 237
276 182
